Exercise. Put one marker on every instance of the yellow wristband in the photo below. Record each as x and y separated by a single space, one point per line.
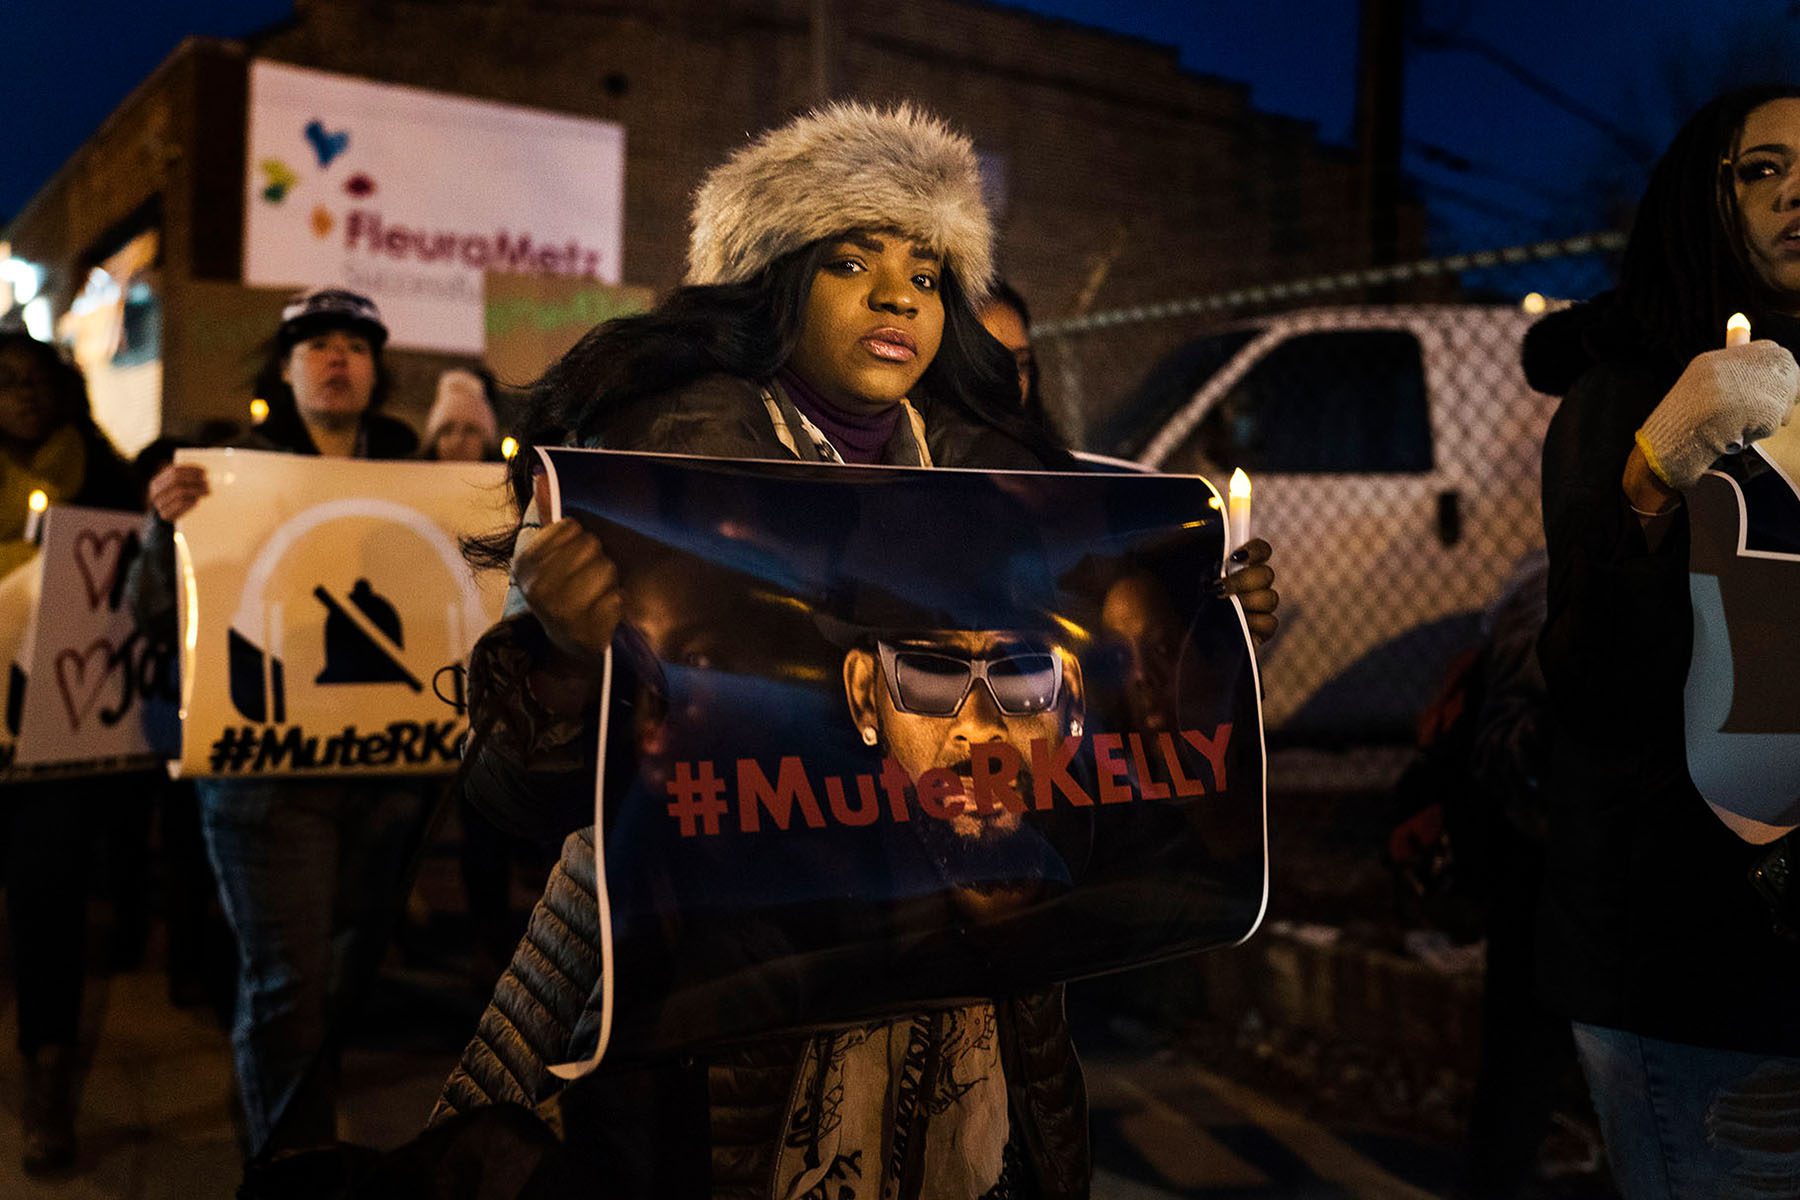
1650 458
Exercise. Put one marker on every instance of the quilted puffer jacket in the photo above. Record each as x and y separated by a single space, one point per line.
641 1129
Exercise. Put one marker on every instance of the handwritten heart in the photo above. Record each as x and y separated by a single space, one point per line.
80 674
325 144
99 556
278 180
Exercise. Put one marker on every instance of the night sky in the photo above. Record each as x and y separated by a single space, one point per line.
1496 159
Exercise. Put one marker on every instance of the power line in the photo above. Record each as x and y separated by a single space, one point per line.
1439 39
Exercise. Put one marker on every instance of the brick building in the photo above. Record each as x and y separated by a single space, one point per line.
1118 178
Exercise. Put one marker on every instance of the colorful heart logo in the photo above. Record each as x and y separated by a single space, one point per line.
278 180
325 144
322 222
360 186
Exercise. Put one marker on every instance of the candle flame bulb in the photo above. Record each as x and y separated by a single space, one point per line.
35 504
509 446
259 410
1534 303
1737 330
1239 513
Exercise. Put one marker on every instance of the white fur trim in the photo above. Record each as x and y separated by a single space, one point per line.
841 167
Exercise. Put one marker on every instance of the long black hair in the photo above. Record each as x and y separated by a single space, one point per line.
1686 268
749 330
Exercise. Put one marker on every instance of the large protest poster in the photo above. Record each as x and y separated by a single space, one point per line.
410 195
326 612
90 686
880 738
1743 692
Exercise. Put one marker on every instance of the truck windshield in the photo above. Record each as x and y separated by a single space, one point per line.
1170 384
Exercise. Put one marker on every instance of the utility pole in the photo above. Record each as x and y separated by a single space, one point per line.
1380 94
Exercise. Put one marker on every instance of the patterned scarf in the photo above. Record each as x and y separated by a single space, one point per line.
910 1109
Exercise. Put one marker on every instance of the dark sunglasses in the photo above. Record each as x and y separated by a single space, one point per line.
929 684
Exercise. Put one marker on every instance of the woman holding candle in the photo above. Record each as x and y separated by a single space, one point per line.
49 444
834 269
1682 986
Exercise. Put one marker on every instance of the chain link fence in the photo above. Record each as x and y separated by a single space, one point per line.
1390 440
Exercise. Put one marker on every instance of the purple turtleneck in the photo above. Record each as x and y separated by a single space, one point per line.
858 437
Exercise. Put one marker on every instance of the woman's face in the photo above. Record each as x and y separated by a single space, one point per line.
27 396
332 374
874 320
460 441
1766 177
1008 327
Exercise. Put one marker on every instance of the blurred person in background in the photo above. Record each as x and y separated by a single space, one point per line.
1684 993
461 426
201 957
310 872
49 442
1004 315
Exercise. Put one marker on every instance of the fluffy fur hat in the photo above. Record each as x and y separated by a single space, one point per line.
840 167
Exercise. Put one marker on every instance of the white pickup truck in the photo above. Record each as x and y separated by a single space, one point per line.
1393 454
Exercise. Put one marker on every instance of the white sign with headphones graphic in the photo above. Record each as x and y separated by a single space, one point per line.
327 613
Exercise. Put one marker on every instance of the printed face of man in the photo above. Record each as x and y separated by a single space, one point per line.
932 699
1146 629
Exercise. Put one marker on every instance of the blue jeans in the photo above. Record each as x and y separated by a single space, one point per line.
309 875
1686 1121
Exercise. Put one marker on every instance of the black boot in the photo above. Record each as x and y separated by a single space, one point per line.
49 1110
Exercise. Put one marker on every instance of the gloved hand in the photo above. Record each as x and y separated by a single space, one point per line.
1724 401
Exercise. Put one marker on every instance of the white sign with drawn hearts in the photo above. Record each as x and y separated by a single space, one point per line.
84 669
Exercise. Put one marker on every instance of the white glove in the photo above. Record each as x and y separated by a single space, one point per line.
1725 400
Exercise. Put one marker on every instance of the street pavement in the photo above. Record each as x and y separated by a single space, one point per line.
157 1108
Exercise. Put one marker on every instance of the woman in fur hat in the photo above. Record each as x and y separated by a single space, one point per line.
1668 931
828 317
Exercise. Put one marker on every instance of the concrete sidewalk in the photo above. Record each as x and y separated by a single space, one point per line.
156 1118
